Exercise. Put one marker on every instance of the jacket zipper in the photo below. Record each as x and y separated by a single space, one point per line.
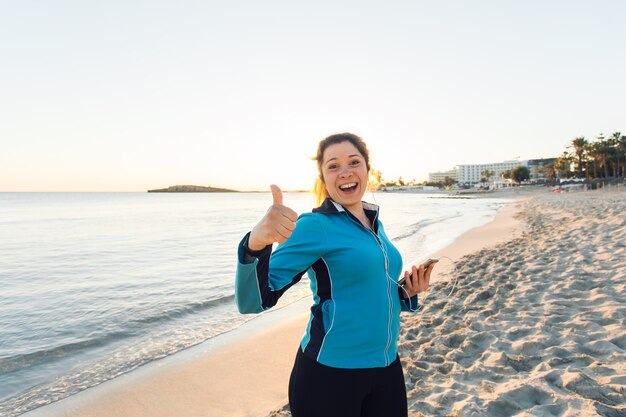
380 245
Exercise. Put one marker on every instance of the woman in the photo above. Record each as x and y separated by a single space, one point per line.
347 364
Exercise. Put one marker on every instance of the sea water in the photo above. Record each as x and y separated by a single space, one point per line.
94 285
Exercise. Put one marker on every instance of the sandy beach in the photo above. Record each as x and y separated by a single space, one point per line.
535 326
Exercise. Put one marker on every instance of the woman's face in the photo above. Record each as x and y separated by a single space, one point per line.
345 173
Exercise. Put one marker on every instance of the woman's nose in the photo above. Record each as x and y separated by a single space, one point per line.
345 172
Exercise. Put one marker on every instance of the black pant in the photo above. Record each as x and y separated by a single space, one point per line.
316 390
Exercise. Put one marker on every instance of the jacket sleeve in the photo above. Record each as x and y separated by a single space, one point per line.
263 277
409 304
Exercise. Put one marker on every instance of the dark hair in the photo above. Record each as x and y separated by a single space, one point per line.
319 188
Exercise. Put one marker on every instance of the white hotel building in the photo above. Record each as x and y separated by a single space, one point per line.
471 174
441 176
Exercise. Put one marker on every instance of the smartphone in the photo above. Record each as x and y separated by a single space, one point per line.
428 263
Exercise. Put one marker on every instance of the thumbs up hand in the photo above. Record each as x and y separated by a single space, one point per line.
275 226
277 194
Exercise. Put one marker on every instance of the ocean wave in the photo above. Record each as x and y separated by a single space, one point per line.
133 328
184 310
21 361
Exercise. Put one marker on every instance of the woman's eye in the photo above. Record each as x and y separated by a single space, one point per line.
332 166
355 162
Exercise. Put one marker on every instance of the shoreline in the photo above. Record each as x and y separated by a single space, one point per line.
505 226
230 375
203 376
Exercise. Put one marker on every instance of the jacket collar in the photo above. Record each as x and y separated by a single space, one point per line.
328 206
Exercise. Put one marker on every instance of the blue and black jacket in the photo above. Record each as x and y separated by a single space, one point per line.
355 318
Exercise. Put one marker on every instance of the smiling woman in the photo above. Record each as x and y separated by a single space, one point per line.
347 363
343 165
359 152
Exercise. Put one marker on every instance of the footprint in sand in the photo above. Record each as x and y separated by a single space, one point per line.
586 387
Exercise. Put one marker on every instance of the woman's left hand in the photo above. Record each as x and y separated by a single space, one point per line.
418 280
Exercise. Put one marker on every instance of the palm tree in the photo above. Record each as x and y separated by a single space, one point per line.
618 154
602 153
562 165
486 175
621 152
580 146
608 156
593 152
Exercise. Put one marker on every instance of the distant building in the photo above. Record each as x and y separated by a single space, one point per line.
441 176
471 174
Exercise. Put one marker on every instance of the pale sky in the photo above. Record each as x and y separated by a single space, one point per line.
131 95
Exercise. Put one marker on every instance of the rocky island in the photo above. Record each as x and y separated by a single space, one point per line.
191 189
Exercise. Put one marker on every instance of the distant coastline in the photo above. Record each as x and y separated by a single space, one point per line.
192 189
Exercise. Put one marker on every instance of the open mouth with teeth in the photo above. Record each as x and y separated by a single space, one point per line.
349 188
